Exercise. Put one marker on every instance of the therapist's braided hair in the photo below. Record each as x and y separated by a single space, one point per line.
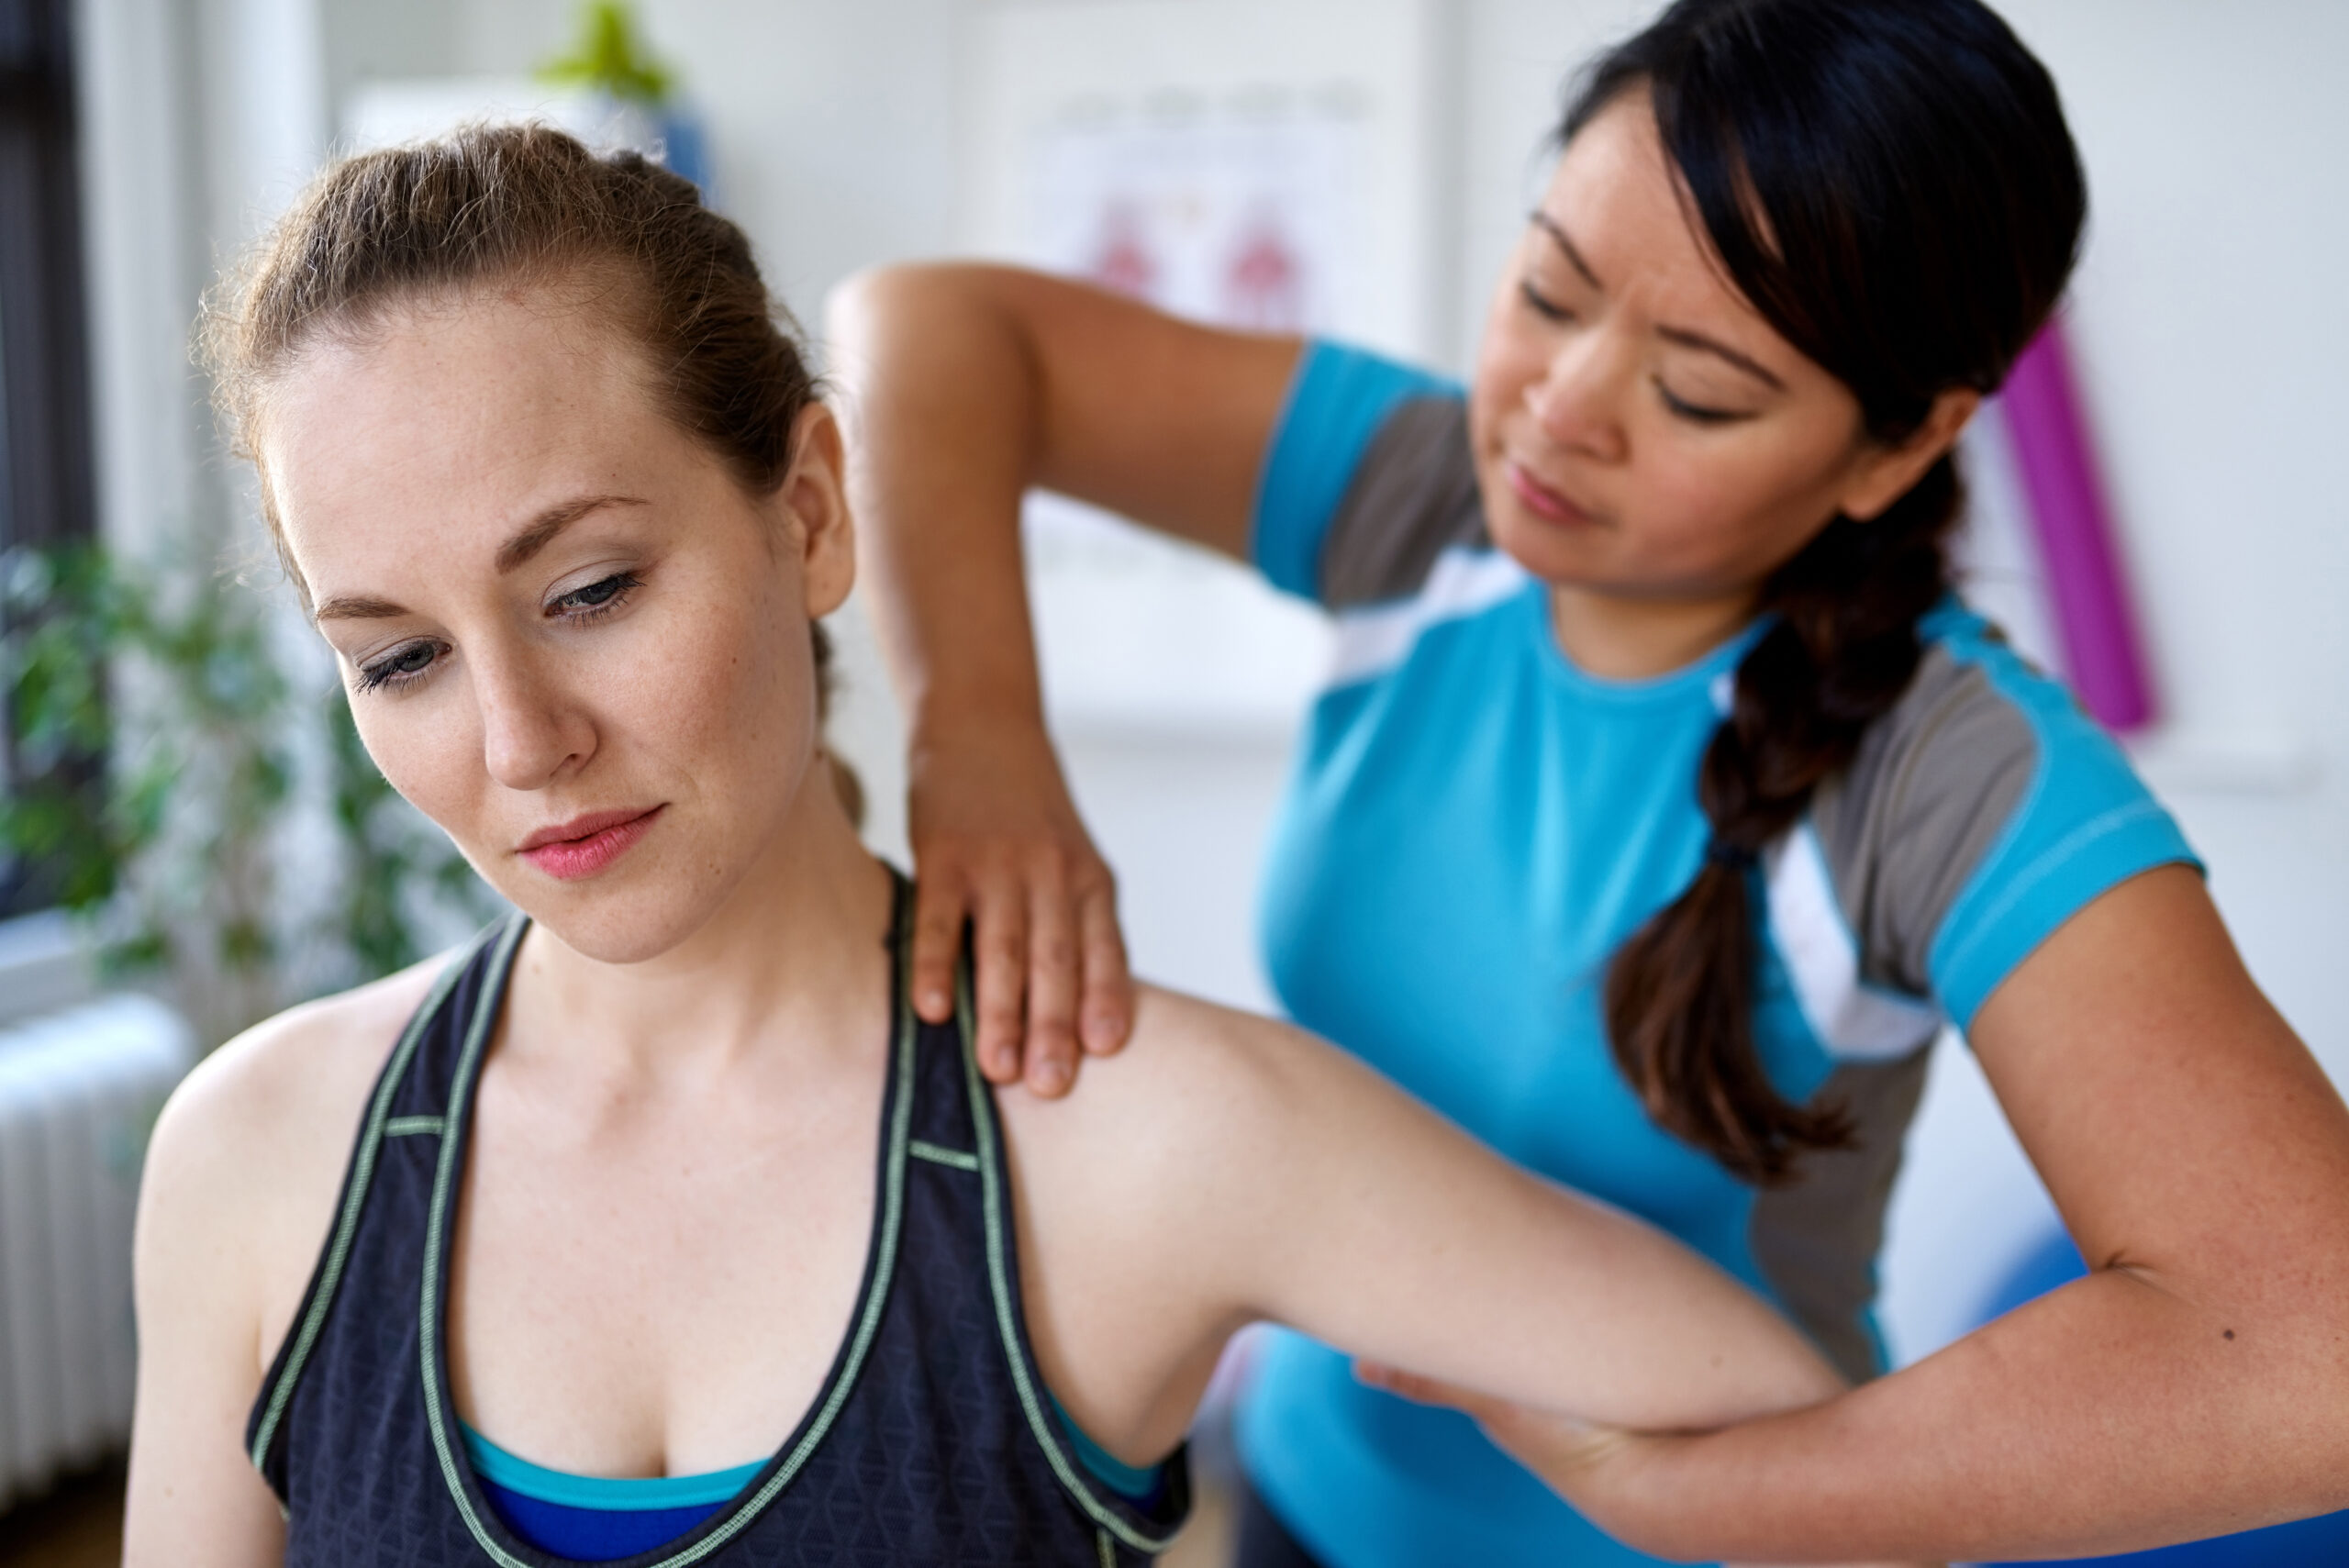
1892 185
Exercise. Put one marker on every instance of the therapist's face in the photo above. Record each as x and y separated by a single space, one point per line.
1640 430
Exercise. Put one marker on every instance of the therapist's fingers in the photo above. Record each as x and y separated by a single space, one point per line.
997 843
1000 919
1106 1010
940 905
1052 978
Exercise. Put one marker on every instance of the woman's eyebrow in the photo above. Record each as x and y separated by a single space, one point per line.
541 531
534 537
357 607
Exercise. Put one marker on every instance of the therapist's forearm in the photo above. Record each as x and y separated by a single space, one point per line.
2108 1417
941 402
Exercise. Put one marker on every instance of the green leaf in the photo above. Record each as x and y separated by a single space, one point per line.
610 58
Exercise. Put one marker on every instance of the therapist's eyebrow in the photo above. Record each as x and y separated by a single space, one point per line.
1557 231
541 531
1753 367
1683 336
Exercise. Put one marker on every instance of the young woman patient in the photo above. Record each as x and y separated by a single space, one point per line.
668 1232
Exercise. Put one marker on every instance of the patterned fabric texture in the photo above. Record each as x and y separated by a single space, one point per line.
931 1441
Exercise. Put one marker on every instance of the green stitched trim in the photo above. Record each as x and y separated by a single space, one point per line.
1108 1549
1007 1321
371 1138
414 1126
922 1150
868 1322
493 992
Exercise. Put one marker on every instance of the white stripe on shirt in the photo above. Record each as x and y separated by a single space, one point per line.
1853 1020
1379 637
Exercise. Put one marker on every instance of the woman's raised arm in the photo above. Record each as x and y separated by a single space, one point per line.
1229 1169
962 386
1388 1233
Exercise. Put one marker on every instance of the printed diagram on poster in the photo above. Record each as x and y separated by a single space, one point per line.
1246 214
1243 217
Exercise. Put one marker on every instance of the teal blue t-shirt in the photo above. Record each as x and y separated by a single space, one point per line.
1473 827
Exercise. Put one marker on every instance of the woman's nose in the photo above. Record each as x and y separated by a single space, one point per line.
532 732
1578 400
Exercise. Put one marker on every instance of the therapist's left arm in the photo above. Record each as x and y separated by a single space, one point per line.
2196 1382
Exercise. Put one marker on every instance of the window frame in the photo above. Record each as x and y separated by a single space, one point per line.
47 459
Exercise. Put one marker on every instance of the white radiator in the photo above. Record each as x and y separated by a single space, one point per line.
79 1091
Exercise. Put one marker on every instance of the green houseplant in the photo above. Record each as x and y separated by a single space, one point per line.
158 755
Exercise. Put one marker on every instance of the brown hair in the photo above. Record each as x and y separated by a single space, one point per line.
523 203
1892 184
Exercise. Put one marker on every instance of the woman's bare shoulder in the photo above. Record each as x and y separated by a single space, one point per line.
1236 1059
246 1156
286 1075
1200 1092
1141 1207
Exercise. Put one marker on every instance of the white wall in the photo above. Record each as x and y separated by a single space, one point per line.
2210 327
832 124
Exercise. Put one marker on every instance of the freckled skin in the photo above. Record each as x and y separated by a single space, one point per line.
404 462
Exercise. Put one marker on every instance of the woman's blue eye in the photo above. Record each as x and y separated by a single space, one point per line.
400 667
414 661
601 596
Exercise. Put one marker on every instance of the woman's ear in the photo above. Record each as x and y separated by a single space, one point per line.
815 496
1885 473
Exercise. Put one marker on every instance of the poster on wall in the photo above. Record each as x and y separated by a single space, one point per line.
1245 213
1269 165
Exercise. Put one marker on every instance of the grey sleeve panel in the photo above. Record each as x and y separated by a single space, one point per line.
1413 497
1817 1239
1934 784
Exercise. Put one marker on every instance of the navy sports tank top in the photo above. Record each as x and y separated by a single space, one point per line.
932 1441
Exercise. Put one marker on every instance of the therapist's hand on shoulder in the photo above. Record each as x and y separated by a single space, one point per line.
997 843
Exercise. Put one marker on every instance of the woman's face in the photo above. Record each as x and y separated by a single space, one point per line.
1640 430
569 635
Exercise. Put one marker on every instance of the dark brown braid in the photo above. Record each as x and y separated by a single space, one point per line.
1680 992
1891 184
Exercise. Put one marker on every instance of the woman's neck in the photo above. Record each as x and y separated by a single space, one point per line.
1622 639
798 952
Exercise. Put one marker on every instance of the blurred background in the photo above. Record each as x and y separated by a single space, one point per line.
193 839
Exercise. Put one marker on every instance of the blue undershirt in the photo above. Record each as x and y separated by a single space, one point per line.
594 1519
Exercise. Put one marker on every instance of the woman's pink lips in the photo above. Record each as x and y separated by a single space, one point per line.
1540 498
585 845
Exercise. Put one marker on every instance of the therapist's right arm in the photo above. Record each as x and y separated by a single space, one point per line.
963 386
